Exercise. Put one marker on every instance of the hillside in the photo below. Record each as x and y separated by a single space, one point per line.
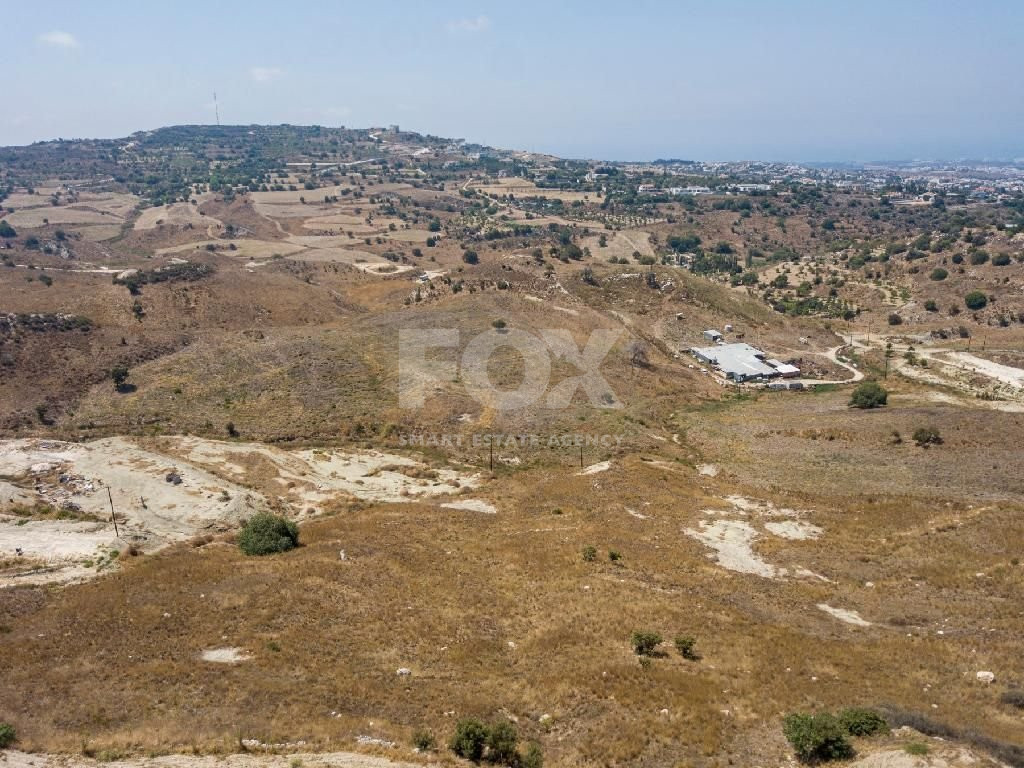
199 324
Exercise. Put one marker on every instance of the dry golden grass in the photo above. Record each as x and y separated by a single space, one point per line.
499 614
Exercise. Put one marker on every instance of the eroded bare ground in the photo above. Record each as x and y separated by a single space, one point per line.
170 489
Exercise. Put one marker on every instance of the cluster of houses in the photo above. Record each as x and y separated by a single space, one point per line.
651 189
740 362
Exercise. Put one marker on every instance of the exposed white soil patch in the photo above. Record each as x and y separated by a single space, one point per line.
732 544
747 505
708 470
793 529
1007 374
845 615
225 655
56 540
313 476
804 573
170 489
593 469
472 505
732 533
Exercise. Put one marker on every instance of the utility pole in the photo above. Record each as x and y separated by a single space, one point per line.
113 517
581 456
490 444
216 110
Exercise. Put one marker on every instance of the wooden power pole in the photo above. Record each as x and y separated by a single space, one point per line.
113 517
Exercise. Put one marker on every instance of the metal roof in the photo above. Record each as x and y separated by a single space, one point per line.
741 360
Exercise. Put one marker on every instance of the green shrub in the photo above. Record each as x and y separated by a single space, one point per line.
925 436
614 555
533 757
862 722
685 645
939 274
1001 260
589 554
869 394
1013 698
265 534
119 374
7 735
916 748
469 740
816 737
644 643
975 300
501 743
931 306
6 230
424 741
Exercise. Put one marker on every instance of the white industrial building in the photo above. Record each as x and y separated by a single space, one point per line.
741 362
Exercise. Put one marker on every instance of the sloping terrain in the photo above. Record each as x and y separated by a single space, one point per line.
223 335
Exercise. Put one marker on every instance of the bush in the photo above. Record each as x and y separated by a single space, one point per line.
469 739
925 436
939 274
265 534
119 375
931 306
424 741
6 230
862 722
644 643
7 735
470 257
975 300
589 554
501 743
916 748
1001 260
533 757
895 319
816 737
1014 698
684 645
869 394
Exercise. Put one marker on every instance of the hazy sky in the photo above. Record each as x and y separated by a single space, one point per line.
722 79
